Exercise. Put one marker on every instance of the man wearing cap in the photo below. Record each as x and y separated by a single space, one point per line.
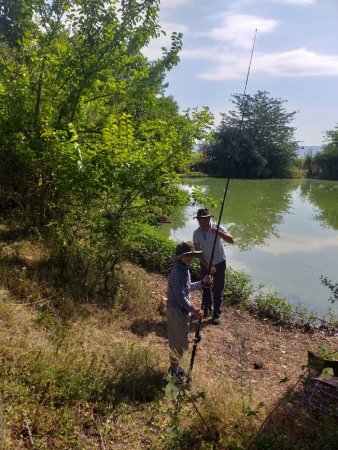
204 238
179 305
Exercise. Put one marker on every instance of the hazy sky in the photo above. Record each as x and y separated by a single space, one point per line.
295 57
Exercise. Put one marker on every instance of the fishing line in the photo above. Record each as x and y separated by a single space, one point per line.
198 335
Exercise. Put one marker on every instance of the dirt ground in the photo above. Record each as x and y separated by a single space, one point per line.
242 349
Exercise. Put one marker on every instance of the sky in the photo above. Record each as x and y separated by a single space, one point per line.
295 57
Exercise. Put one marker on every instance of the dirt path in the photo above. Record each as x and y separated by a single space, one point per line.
241 349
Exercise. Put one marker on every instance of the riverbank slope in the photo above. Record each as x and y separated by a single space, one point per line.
86 376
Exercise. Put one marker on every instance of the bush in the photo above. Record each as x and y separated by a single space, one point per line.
277 309
147 248
238 287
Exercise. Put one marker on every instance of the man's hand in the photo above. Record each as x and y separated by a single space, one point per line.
207 279
227 237
198 312
214 229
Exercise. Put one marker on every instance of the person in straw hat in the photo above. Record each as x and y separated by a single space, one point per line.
204 239
179 306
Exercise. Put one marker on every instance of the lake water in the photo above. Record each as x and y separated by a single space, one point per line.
286 233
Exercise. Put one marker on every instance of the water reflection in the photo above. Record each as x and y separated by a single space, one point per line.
285 231
255 209
324 196
252 212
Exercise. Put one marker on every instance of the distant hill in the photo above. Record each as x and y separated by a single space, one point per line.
305 149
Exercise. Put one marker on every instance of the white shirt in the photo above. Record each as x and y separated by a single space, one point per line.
206 240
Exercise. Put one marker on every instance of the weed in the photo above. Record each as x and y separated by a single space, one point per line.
275 308
238 288
275 345
305 317
332 286
333 317
132 293
53 376
325 352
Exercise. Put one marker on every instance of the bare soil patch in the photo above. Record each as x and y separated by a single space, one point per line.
268 360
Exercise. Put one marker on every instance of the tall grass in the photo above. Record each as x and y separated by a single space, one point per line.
51 388
73 375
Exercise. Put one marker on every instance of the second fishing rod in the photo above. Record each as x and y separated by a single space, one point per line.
198 335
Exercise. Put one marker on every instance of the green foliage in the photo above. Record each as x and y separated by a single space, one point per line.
253 141
199 197
266 441
327 160
178 435
333 288
298 173
129 372
304 316
148 248
325 352
277 309
239 287
90 145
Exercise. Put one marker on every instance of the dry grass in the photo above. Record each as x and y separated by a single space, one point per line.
80 376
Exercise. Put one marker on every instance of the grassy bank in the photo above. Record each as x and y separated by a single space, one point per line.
82 374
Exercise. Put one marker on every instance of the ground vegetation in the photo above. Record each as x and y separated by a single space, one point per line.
92 375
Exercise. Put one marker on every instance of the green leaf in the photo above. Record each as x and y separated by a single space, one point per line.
327 373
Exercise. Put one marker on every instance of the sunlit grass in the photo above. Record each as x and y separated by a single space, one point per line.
81 375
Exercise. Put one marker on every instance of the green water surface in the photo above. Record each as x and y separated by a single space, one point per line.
286 233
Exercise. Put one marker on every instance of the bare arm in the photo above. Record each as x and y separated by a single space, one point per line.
227 237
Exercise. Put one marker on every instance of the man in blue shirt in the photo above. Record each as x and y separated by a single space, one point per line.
179 305
204 238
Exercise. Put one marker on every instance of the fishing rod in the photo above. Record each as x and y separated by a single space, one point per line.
198 335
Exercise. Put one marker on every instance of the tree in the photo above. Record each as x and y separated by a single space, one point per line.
327 160
308 163
255 140
89 144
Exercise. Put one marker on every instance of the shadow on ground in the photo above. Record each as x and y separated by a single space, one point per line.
141 387
143 327
307 420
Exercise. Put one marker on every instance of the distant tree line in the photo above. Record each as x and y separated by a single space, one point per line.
256 140
324 164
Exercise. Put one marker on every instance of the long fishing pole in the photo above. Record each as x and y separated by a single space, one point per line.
198 335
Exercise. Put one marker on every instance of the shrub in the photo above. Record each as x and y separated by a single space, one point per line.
132 292
238 287
277 309
149 249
